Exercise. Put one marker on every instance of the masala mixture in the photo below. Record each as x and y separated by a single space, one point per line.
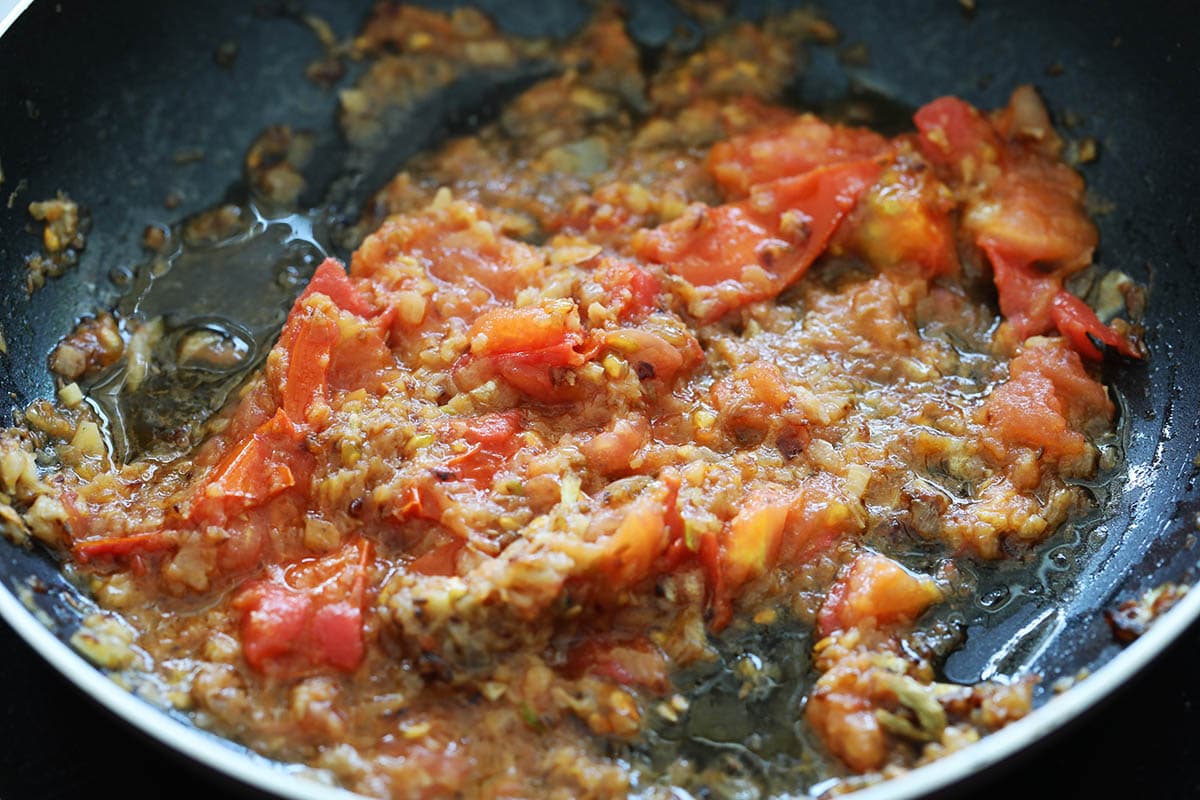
651 366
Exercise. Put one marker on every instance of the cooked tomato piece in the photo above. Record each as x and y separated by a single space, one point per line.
1026 412
441 559
337 635
718 598
1034 302
761 244
417 502
847 724
1047 397
274 622
1025 293
773 527
492 440
757 389
307 617
1077 321
506 330
1083 397
802 144
261 466
1026 121
525 346
609 451
331 280
534 372
953 133
876 588
457 245
307 342
820 517
132 544
630 551
632 288
360 359
1033 212
755 535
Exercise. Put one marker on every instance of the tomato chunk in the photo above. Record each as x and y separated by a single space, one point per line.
122 546
905 218
261 466
634 661
309 617
773 527
526 346
455 244
274 622
1026 412
1077 321
308 341
801 145
1024 292
1033 211
630 551
762 244
952 131
492 440
360 359
633 289
1034 302
754 538
337 639
1083 397
876 588
442 559
1047 397
331 280
506 330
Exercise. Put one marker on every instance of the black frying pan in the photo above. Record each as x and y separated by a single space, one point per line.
102 100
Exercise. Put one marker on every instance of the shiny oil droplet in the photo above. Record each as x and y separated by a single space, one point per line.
996 598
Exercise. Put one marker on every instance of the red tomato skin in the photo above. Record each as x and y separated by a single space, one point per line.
313 336
267 462
1077 322
308 618
492 440
331 280
133 544
782 228
274 623
1024 293
337 637
951 129
800 145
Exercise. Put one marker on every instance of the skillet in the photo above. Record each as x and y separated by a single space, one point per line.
102 102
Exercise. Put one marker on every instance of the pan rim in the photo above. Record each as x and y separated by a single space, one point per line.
12 14
221 755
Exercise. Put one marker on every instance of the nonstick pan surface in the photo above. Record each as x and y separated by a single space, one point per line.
100 100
